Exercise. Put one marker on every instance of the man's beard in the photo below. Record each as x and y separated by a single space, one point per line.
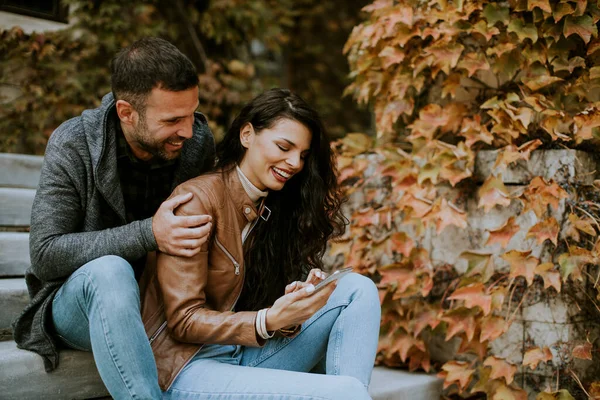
146 143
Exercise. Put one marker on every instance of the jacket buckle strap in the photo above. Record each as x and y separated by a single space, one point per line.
267 211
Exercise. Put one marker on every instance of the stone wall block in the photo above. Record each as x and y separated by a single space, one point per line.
560 165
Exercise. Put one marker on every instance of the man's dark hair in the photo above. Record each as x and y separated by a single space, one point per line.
148 63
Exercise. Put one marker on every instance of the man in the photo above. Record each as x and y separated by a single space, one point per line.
100 209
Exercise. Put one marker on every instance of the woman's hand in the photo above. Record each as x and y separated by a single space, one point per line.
297 305
314 277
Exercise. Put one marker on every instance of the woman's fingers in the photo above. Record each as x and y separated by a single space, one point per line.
315 276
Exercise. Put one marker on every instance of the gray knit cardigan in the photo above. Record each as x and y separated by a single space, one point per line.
78 213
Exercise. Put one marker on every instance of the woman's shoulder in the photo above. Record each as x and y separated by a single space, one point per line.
208 187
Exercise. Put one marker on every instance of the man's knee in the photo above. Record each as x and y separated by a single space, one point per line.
111 276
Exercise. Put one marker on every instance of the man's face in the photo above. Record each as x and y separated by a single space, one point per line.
164 125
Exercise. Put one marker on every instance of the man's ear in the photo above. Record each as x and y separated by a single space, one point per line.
127 114
247 134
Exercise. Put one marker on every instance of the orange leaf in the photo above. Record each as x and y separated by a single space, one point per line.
475 346
540 81
576 225
501 369
504 392
521 264
447 214
459 320
456 372
583 351
390 56
492 327
544 5
512 153
474 295
534 356
404 343
546 229
420 207
539 194
492 193
504 233
399 276
402 243
572 262
550 276
340 247
428 317
473 131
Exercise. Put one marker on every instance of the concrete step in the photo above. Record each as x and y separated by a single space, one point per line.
22 375
15 206
395 384
14 253
13 298
20 170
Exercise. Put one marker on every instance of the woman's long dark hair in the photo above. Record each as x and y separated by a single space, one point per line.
304 214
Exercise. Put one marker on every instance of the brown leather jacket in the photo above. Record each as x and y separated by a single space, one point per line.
189 301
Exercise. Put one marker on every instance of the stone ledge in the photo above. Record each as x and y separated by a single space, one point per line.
14 253
395 384
560 165
16 206
19 170
22 375
13 299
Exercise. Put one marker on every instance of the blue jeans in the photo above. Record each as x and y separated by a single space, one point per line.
340 340
98 309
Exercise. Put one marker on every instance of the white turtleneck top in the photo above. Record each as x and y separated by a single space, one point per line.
253 192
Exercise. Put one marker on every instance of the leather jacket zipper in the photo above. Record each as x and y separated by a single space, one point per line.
236 265
158 332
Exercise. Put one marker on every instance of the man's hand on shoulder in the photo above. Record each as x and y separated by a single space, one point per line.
180 235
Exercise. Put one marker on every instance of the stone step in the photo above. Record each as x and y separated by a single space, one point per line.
22 375
15 206
13 298
14 253
395 384
20 170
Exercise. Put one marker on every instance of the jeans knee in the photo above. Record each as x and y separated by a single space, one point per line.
113 279
348 388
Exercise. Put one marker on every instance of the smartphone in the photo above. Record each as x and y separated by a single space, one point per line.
333 277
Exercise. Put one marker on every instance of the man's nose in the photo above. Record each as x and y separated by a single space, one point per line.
187 129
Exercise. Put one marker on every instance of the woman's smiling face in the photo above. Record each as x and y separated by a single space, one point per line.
274 155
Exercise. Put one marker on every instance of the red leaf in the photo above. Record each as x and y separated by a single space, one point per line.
501 369
456 372
474 295
492 327
583 351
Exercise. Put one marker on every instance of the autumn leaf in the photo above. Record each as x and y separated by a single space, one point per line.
403 343
445 214
473 131
521 264
427 317
583 351
562 394
534 356
544 5
571 263
492 193
504 233
494 12
456 372
390 56
459 320
546 229
474 296
501 369
473 62
340 247
550 276
402 243
583 26
492 327
523 30
355 143
539 194
504 392
576 225
540 81
419 207
561 10
478 263
511 153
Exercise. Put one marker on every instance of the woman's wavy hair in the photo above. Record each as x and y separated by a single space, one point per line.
304 214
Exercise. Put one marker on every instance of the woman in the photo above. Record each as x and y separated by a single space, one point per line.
227 322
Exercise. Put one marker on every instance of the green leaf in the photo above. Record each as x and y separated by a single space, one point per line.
564 394
523 31
495 13
582 26
561 64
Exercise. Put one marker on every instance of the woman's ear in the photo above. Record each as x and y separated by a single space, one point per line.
246 134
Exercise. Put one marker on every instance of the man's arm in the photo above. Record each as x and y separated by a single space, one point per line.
57 245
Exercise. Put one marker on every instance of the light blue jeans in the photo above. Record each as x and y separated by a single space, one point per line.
98 309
